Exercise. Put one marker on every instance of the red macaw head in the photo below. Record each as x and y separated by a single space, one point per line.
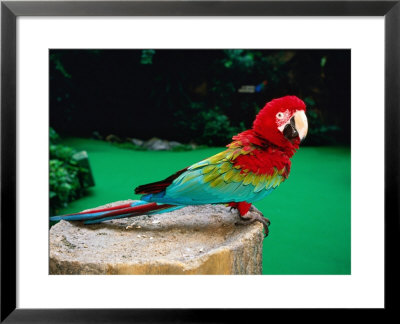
282 121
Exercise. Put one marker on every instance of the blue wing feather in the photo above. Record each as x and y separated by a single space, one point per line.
190 188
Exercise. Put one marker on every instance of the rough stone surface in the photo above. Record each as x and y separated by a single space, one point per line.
156 144
192 240
136 141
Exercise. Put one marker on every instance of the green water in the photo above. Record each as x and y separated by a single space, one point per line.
309 213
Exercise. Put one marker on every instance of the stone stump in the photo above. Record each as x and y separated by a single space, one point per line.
192 240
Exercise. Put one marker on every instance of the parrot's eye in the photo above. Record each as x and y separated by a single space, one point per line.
279 115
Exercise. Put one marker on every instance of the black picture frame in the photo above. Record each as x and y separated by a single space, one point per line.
10 10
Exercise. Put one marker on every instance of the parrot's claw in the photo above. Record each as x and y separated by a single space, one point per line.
255 216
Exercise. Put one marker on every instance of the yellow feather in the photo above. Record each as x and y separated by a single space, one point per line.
216 182
260 185
234 145
256 180
217 158
229 156
225 167
229 174
262 178
277 181
238 177
267 182
236 154
208 169
212 175
249 178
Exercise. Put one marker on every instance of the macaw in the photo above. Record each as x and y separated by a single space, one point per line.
255 163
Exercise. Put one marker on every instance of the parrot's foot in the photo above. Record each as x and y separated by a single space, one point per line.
251 218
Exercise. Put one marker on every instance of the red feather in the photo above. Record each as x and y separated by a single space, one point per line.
265 161
265 126
270 150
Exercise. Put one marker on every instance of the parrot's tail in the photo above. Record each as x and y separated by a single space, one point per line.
136 208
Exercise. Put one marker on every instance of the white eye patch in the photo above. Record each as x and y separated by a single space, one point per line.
282 118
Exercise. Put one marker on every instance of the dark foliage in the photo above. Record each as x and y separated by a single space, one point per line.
195 95
68 180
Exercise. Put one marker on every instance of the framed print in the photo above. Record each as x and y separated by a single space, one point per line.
183 68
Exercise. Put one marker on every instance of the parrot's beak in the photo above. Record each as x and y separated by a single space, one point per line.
297 126
300 120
